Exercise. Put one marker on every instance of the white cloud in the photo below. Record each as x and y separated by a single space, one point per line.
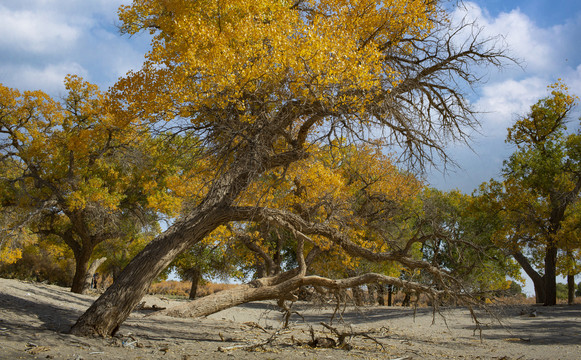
501 102
541 50
35 32
49 78
43 40
547 54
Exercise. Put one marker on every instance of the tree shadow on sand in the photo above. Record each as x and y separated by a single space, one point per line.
555 325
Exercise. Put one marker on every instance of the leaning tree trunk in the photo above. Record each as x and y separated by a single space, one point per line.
89 275
550 276
239 295
109 311
279 287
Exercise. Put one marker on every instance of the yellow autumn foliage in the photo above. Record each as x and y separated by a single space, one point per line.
339 186
239 47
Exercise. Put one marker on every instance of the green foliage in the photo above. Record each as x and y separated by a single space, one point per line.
463 246
515 289
562 291
538 198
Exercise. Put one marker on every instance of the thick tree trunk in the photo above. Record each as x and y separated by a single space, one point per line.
107 313
406 300
239 295
196 275
89 275
550 276
570 289
389 295
539 287
112 308
82 259
281 287
538 280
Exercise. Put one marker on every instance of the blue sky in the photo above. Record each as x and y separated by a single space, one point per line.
43 40
544 36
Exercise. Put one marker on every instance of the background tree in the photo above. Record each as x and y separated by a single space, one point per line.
213 258
261 82
464 247
77 172
540 189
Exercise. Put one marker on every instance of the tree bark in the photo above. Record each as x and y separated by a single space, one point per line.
358 296
570 289
196 275
89 275
551 275
381 294
372 294
107 313
82 259
239 295
538 280
406 299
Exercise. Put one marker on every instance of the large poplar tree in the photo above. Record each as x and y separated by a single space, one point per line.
259 81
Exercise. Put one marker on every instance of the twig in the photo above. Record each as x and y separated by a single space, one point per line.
341 335
255 325
251 347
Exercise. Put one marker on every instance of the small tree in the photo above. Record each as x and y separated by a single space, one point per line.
464 247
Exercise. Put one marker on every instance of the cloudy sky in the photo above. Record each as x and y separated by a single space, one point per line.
544 36
43 40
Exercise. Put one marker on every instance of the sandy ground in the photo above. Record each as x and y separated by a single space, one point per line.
35 318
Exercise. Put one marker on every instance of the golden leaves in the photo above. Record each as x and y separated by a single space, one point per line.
215 53
72 149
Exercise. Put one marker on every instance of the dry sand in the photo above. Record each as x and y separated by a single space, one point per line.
35 318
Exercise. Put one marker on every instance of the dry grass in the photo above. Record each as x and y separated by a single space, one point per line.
522 300
182 288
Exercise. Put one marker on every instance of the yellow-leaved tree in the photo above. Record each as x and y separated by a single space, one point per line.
260 83
73 170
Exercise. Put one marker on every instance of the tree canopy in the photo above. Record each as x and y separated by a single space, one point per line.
539 194
257 85
73 170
